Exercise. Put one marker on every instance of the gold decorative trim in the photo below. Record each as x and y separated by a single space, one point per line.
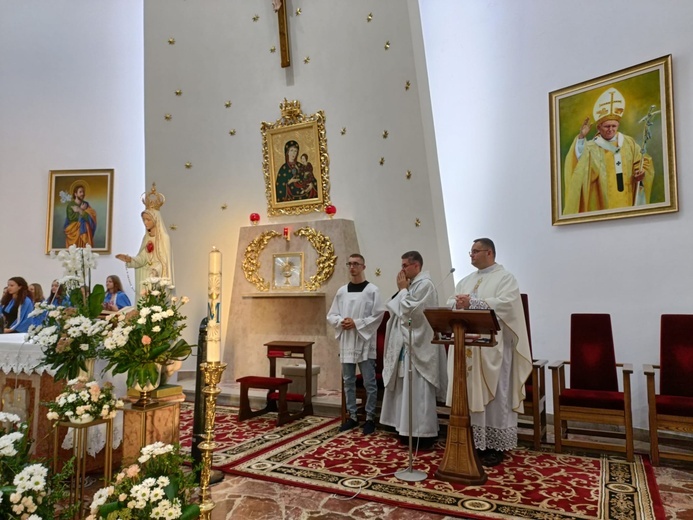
326 257
311 190
322 244
251 260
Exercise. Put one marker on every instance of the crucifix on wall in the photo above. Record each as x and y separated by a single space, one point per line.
280 9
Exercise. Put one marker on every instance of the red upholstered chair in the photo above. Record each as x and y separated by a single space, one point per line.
535 393
672 408
360 389
593 396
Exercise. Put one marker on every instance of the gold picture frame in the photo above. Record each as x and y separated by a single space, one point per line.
287 271
595 178
80 206
295 162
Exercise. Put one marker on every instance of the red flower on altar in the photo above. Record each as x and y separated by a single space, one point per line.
150 246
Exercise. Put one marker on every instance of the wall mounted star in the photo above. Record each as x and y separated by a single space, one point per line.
227 104
188 165
273 49
224 206
171 41
179 92
232 132
377 272
343 131
256 18
382 161
168 117
369 17
298 12
306 59
408 174
385 134
417 222
407 85
173 227
387 45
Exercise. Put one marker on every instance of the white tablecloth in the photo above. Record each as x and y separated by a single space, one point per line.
19 356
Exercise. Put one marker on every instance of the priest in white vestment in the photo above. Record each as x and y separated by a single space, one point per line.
495 375
415 293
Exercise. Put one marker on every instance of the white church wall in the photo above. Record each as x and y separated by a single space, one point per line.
71 97
221 54
490 74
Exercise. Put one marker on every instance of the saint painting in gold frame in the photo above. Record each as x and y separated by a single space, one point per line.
295 162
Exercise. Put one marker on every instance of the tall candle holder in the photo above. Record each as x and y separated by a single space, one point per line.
212 372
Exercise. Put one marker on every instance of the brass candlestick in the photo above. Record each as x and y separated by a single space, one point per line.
212 372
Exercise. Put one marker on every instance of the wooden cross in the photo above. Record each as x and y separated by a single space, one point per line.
283 32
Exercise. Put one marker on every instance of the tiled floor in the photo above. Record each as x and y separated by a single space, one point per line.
240 498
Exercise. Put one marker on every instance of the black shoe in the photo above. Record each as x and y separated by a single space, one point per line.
426 443
490 458
369 427
348 425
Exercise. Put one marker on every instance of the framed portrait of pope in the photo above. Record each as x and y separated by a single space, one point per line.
80 205
613 147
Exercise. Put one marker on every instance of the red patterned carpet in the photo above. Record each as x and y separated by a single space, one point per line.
312 453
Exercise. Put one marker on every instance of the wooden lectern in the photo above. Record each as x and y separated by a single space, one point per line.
460 462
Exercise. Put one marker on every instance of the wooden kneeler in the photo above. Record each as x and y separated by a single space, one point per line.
276 387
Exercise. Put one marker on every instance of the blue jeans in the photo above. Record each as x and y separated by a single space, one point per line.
367 369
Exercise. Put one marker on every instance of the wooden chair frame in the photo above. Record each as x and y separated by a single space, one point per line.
673 423
563 414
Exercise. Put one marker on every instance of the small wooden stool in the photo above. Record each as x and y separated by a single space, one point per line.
276 387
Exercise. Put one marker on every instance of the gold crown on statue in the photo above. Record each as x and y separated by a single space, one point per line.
153 199
610 105
290 109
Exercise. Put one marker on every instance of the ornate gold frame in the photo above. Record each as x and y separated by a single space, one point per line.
648 92
321 243
98 186
300 194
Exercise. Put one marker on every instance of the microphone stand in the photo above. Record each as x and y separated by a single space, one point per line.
410 474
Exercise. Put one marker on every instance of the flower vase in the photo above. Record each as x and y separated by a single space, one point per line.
89 374
146 399
82 419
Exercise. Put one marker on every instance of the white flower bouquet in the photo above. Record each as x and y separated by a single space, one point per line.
84 401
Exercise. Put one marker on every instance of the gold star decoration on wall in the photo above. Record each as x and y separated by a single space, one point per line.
179 92
417 222
298 12
224 206
227 104
408 174
343 131
377 272
369 17
407 85
256 18
173 227
273 49
168 117
387 45
188 165
385 134
382 161
306 59
232 131
171 41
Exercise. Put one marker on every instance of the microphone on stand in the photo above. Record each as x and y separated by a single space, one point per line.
452 270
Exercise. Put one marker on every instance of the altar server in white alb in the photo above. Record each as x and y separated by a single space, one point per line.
415 293
355 315
495 375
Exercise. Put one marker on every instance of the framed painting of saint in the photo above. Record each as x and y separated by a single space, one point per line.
612 146
80 204
295 162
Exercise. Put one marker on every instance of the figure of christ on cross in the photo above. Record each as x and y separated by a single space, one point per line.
280 9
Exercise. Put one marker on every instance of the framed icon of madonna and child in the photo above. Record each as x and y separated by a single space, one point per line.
80 205
295 162
612 146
